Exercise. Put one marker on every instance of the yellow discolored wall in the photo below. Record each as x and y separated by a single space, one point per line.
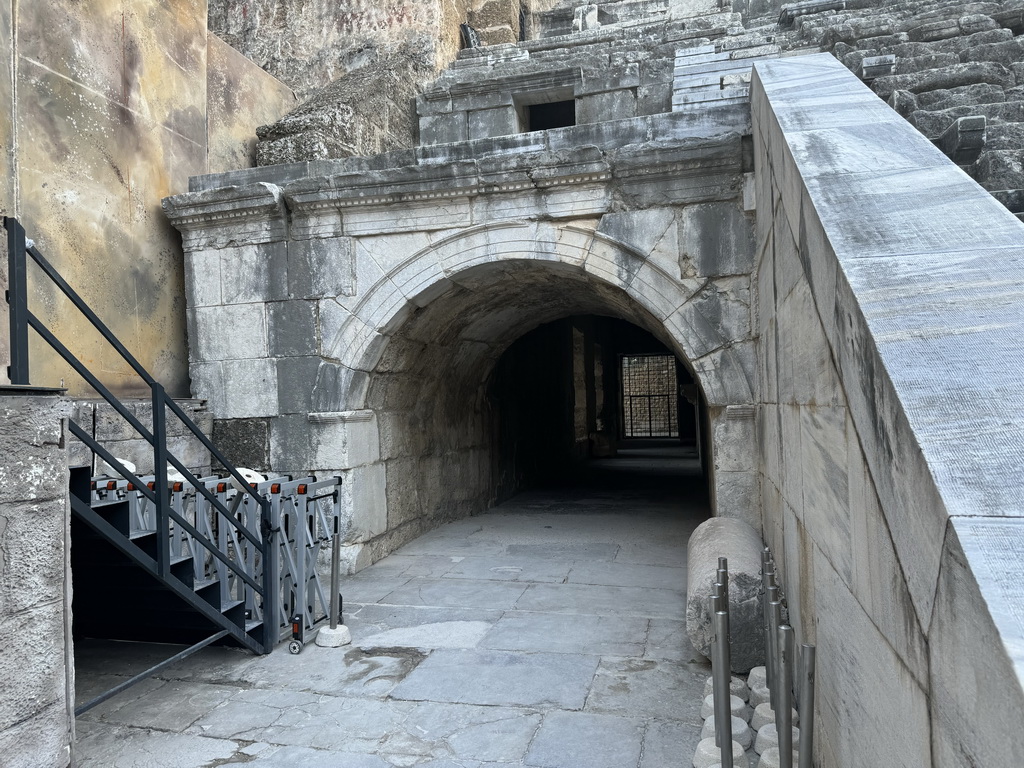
106 109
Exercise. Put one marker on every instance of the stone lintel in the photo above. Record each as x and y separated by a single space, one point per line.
228 216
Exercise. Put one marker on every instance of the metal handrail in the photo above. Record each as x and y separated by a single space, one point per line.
21 319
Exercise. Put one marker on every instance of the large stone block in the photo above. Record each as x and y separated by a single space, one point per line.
292 328
33 662
237 332
862 686
718 238
974 646
364 502
741 544
41 741
31 440
321 267
249 389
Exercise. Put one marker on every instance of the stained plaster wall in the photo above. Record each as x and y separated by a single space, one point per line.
890 296
106 107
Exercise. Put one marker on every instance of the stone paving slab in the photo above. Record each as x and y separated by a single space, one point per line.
111 746
581 740
667 640
647 688
525 567
628 575
502 678
562 633
457 593
539 635
602 600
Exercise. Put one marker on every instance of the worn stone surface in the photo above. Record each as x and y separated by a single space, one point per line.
431 685
36 725
737 541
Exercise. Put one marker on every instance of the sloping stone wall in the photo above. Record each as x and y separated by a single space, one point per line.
890 302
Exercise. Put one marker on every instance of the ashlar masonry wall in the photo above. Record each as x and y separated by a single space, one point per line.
346 315
890 306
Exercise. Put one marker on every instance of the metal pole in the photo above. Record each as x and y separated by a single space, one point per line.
720 668
716 679
335 578
783 715
163 519
807 706
767 579
774 620
17 298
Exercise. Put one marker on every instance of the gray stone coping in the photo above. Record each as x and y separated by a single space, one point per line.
622 136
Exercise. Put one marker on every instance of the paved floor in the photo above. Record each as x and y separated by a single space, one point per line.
547 632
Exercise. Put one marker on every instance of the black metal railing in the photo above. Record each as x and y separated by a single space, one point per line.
262 583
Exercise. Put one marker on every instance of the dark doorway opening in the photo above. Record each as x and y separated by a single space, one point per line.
555 114
557 398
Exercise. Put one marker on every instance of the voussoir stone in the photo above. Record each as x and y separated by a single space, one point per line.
741 544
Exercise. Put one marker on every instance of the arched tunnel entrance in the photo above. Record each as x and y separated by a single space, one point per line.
583 388
518 374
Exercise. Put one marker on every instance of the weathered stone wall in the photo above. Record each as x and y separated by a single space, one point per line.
109 429
310 44
113 113
363 303
37 695
889 300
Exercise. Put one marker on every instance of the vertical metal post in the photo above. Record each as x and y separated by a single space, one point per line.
720 667
17 298
774 620
766 582
335 577
783 715
270 558
807 705
163 519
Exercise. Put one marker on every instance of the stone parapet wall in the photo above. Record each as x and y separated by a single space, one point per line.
37 694
890 301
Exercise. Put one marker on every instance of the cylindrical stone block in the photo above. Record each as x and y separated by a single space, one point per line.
759 696
741 544
737 707
736 687
741 732
770 758
708 753
764 714
768 737
758 677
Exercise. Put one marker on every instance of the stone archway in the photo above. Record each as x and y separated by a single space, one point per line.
420 344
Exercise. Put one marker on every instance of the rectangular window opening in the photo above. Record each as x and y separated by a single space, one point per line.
554 114
650 396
